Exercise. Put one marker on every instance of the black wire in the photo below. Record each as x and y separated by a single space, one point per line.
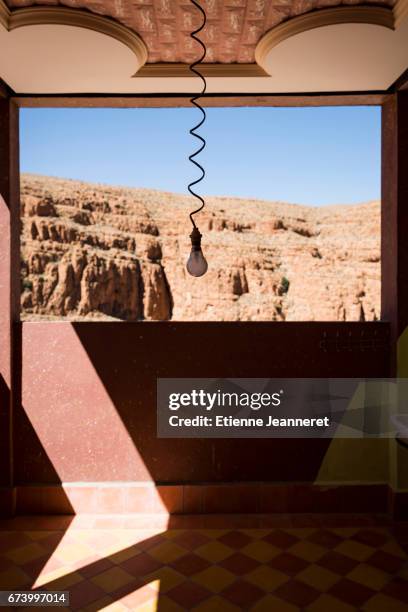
194 101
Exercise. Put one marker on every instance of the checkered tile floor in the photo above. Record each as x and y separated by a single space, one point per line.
281 569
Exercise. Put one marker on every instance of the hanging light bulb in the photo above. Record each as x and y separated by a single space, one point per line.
196 264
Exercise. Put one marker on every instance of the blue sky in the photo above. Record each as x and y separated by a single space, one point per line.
312 156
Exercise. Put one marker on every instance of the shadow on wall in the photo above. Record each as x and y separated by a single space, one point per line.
89 391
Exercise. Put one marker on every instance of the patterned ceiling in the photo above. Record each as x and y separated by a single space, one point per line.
231 34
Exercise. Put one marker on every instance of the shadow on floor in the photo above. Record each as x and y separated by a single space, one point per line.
308 563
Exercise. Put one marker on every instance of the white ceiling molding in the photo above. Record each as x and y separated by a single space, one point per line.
74 18
375 15
348 48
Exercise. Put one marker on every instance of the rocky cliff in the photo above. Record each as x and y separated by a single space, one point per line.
95 251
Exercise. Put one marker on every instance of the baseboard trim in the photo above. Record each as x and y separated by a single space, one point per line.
205 498
398 505
8 498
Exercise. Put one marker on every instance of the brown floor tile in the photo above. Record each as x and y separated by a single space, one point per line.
190 564
371 537
164 604
327 603
288 564
83 594
9 540
270 564
151 542
239 564
216 604
351 592
88 570
4 563
34 567
138 597
188 594
140 565
398 589
214 551
167 577
297 593
131 587
98 604
271 603
386 562
190 539
337 563
281 539
383 603
235 539
14 578
112 579
324 537
243 594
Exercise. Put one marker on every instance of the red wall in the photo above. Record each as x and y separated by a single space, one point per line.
89 396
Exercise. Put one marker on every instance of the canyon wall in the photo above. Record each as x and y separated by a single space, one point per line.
94 251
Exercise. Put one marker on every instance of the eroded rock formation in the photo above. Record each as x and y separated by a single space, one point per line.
107 252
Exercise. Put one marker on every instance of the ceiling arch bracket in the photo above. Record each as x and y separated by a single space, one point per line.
374 15
56 15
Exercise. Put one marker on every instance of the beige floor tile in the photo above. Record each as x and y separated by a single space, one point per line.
318 577
26 553
71 553
272 604
355 550
166 552
100 604
166 578
112 579
261 551
116 606
392 547
383 603
214 578
266 578
46 577
13 578
165 604
213 533
308 551
216 604
214 551
369 576
327 603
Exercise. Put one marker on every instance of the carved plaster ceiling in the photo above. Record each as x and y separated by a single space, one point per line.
233 29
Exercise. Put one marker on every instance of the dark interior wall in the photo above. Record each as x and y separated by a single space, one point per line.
89 396
9 284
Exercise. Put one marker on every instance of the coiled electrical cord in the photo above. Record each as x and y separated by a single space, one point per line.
197 105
